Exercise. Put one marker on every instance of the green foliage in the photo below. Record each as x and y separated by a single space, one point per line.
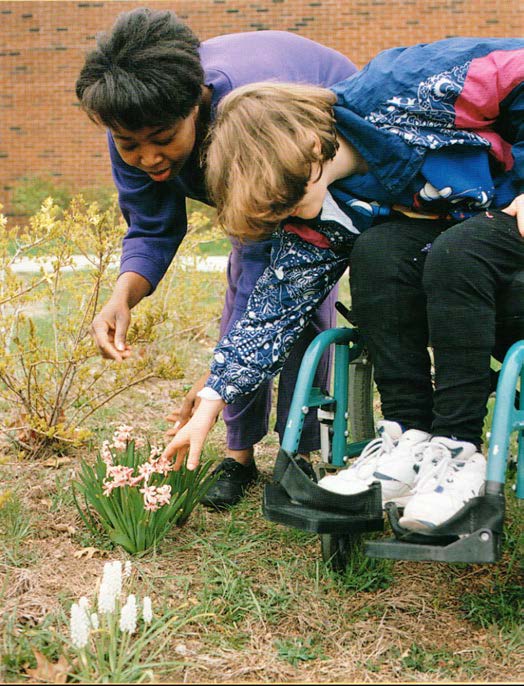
19 643
427 659
31 191
364 573
15 529
501 605
296 650
135 496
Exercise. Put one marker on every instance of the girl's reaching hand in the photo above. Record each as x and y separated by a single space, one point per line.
190 439
516 209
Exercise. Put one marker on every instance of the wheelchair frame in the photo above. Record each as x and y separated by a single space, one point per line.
472 535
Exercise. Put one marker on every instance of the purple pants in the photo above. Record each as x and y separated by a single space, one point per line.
247 420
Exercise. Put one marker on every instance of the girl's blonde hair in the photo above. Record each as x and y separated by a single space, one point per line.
260 151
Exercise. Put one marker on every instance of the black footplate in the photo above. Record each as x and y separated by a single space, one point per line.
294 499
472 535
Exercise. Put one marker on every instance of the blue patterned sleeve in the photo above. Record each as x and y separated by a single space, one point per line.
297 280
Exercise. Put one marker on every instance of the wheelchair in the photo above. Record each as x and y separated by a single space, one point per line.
293 498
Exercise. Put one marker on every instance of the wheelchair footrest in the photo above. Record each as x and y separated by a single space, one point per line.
301 487
479 547
472 535
280 508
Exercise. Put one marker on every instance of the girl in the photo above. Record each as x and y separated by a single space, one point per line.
400 172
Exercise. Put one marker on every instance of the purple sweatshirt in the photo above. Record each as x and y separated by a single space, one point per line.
156 212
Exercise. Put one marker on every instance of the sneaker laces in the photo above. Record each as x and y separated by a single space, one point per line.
373 451
436 461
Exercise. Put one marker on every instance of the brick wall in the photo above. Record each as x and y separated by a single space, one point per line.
42 44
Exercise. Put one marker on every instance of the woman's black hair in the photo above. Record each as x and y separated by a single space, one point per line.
145 72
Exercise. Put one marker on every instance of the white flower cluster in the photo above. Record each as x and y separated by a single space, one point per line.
128 616
109 600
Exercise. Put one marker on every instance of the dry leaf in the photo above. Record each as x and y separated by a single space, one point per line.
64 527
57 462
89 552
49 672
5 497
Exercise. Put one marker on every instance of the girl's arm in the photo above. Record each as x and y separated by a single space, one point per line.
282 303
300 276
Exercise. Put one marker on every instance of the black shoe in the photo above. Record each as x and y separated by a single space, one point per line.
306 467
234 478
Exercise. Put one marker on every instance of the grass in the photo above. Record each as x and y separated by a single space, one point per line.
220 246
275 612
266 608
15 529
19 642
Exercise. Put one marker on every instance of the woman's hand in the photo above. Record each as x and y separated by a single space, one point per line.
109 330
516 209
109 327
191 437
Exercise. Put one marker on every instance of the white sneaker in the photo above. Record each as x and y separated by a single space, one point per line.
398 470
452 473
359 475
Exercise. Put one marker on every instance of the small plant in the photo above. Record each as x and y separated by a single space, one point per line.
51 375
135 495
121 640
15 529
297 650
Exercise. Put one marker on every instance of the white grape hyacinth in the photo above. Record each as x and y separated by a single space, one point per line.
110 588
106 599
128 615
112 576
80 626
147 612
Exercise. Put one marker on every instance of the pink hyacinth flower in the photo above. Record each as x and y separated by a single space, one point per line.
163 495
150 497
106 454
156 451
145 470
120 475
162 466
155 497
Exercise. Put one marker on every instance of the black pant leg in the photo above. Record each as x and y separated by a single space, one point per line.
509 316
467 271
389 306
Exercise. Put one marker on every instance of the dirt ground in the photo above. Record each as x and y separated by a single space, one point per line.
276 613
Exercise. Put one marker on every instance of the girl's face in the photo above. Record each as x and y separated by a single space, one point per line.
311 204
159 152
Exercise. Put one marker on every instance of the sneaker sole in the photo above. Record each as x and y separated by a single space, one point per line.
416 524
400 501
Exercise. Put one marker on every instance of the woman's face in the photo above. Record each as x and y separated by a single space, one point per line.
159 152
